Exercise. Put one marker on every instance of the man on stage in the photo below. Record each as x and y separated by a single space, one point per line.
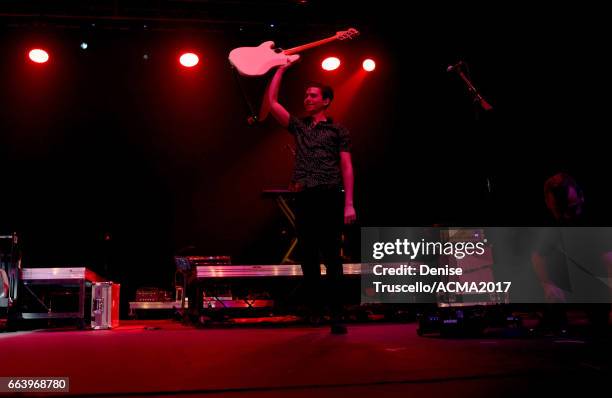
323 182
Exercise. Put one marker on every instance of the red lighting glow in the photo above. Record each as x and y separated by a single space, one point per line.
369 65
39 56
331 63
189 60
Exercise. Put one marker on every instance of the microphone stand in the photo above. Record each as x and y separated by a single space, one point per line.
480 103
473 90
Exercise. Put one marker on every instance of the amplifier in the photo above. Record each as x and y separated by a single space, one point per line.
152 295
188 263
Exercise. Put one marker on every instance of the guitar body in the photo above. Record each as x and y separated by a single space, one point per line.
257 61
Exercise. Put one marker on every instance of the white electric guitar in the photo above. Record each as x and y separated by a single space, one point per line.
257 61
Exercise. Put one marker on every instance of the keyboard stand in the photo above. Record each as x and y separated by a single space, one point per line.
282 198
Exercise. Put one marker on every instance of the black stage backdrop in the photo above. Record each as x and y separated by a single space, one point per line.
119 162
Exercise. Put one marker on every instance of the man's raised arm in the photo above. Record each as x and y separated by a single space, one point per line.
277 110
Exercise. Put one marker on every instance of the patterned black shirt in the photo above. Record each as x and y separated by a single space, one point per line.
317 152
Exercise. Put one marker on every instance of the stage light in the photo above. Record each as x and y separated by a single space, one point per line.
84 46
331 63
189 60
39 56
369 65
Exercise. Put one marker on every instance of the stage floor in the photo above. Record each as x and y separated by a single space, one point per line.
166 358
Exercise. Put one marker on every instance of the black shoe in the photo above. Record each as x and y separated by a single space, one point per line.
338 328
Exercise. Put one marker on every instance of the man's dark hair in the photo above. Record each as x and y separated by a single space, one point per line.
559 185
326 91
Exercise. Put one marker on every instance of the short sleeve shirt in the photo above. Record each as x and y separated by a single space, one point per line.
317 154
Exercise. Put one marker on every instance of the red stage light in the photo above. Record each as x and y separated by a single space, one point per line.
39 56
331 63
369 65
189 60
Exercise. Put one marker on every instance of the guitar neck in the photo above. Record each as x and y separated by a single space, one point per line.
299 49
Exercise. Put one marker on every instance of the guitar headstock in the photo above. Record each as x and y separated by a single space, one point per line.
347 34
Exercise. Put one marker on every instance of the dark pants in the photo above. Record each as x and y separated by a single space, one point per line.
319 220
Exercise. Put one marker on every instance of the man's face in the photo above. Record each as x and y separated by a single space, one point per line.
313 100
569 212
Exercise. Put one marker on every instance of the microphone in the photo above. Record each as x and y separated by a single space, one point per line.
452 68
